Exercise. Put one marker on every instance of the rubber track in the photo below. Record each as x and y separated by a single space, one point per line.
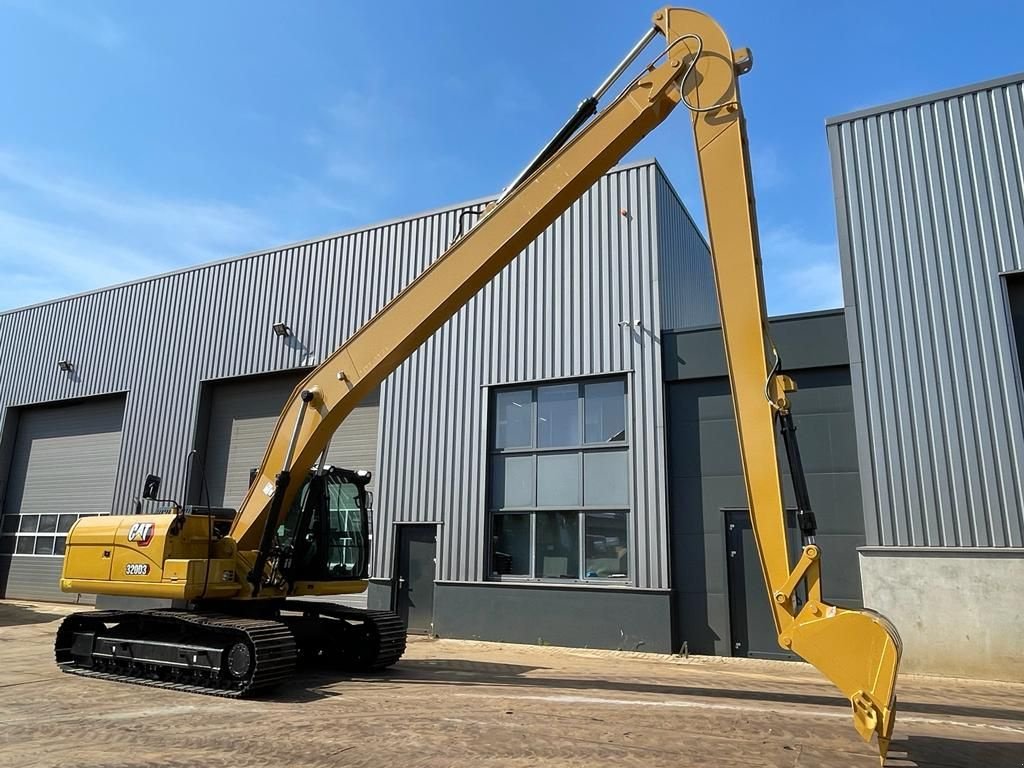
387 628
274 646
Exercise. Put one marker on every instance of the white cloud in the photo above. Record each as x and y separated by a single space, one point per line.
305 193
766 168
354 109
350 169
61 235
357 143
42 260
800 274
79 21
513 95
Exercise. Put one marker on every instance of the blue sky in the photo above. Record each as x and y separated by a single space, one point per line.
136 138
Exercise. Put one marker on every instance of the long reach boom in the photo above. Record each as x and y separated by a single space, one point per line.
857 650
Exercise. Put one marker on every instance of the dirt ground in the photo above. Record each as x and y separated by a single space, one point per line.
463 703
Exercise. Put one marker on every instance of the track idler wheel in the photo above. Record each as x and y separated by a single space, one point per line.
239 660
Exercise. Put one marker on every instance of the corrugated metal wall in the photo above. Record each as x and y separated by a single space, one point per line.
687 285
554 312
930 209
568 308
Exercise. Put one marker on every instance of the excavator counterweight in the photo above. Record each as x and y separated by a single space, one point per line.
301 528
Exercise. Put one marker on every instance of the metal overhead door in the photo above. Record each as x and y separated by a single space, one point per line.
243 413
63 466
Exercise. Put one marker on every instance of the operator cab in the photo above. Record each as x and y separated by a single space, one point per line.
325 536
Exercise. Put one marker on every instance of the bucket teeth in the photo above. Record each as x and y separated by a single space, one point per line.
859 651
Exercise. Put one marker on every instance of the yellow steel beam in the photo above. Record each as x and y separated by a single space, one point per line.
858 650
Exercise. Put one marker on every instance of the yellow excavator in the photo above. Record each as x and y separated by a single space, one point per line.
302 528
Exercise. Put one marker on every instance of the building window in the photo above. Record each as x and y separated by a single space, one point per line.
35 534
1015 299
558 496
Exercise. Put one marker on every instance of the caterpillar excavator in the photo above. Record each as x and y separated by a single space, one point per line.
302 528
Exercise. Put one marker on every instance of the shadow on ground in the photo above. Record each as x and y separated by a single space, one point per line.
13 615
472 673
312 684
938 752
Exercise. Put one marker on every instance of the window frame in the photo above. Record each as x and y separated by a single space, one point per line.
580 509
18 535
1013 296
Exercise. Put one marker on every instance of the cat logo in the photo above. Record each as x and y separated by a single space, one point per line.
141 533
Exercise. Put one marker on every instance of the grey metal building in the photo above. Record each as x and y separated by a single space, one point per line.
559 463
930 211
522 447
718 589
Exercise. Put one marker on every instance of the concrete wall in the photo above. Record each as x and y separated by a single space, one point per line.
960 612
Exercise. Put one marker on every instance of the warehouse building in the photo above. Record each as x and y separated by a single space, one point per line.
532 421
930 212
559 463
531 483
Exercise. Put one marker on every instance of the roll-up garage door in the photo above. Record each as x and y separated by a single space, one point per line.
63 466
243 413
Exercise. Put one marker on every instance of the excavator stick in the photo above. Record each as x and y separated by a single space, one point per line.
859 651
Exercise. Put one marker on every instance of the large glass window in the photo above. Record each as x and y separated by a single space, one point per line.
511 545
559 495
558 418
34 534
513 419
606 550
558 545
604 416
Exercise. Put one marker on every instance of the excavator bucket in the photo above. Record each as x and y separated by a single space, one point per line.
859 651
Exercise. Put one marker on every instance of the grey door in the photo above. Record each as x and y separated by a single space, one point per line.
63 466
417 564
243 413
752 628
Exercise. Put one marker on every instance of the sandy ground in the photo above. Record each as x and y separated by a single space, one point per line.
463 703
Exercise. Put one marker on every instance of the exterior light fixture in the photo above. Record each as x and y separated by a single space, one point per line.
282 329
65 365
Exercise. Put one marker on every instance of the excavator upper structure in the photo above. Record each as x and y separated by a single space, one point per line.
239 576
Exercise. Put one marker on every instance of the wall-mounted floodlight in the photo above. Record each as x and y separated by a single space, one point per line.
282 329
65 365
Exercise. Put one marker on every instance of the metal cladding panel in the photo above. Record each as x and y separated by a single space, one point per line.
36 578
563 308
242 416
65 459
930 210
160 339
582 300
687 285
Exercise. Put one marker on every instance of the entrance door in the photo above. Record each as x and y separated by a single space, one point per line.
417 564
63 466
750 615
243 413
